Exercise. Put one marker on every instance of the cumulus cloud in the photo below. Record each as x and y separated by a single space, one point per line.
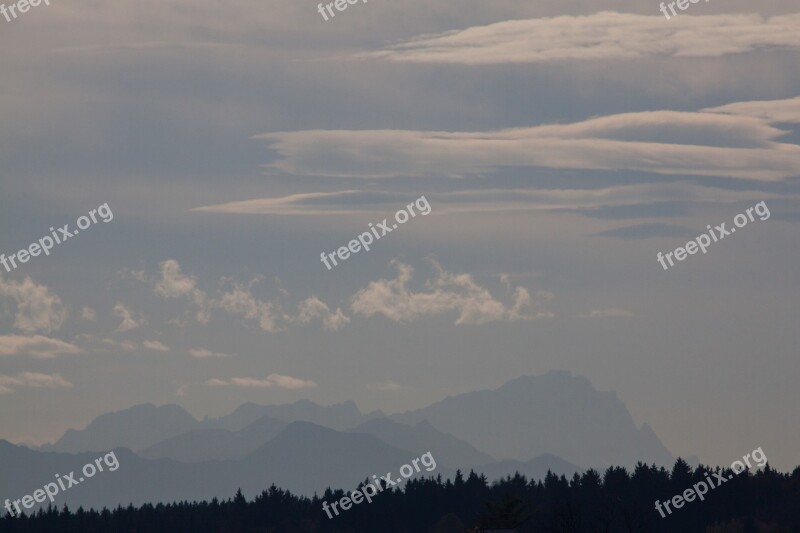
203 353
35 346
315 308
156 346
445 293
174 284
273 380
239 300
9 384
38 310
608 312
128 322
600 36
659 142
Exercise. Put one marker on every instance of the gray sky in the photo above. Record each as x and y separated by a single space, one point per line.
560 149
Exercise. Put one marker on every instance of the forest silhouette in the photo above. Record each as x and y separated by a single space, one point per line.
617 500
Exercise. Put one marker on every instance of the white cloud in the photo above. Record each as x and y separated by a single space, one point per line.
660 142
173 284
125 345
273 380
240 301
203 353
89 314
608 312
600 36
773 111
128 322
445 293
8 384
384 386
313 308
37 309
35 346
156 346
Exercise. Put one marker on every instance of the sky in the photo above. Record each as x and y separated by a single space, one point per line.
560 147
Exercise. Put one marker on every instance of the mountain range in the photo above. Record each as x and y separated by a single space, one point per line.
532 424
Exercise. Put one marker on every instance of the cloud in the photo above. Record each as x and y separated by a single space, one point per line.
608 312
89 314
773 111
173 284
384 386
128 322
156 346
446 293
203 353
125 345
315 308
600 36
273 380
659 142
31 379
239 300
637 196
35 346
37 309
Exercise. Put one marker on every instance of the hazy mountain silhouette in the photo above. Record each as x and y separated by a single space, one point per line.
554 413
209 444
423 437
339 416
136 427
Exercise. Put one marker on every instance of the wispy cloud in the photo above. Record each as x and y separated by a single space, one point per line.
659 142
35 346
608 312
273 380
384 386
203 353
156 346
9 384
599 37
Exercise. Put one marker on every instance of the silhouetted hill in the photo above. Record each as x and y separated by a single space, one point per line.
423 437
137 427
209 444
554 413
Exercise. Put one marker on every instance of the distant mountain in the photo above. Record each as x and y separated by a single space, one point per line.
137 427
339 416
423 437
555 413
143 426
536 468
209 444
304 458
